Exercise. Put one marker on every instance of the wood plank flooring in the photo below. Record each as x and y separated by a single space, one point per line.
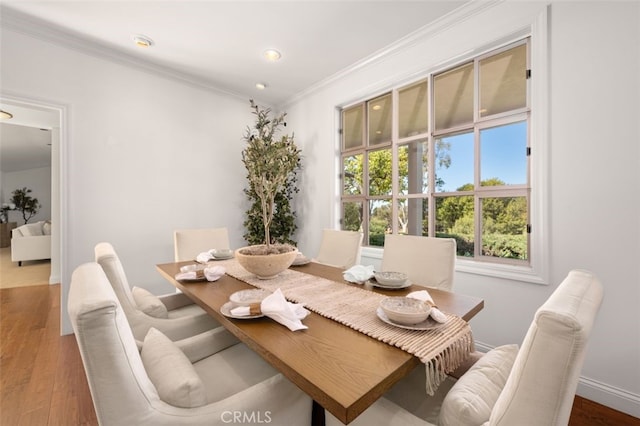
32 272
42 380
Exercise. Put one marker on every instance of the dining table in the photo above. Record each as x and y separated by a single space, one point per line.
342 369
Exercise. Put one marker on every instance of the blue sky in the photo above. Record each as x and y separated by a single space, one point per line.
503 156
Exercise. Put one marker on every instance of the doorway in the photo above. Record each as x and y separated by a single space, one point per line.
49 117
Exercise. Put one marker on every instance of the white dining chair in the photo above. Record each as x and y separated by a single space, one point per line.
340 248
428 261
528 386
161 384
174 314
189 243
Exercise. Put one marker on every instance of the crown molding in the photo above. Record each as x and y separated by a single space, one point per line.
26 24
19 22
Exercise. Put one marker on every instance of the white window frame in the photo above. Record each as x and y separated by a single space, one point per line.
538 269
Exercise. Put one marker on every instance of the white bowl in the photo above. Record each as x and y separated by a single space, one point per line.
191 268
248 297
222 253
390 278
405 310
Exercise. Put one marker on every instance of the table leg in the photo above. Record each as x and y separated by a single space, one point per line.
317 415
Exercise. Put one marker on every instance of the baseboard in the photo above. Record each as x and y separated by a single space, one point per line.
610 396
602 393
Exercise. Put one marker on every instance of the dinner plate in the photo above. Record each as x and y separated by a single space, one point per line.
248 297
226 311
191 268
223 257
375 283
428 324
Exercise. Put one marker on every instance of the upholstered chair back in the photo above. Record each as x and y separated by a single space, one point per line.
109 352
428 261
180 323
544 377
340 248
188 243
106 256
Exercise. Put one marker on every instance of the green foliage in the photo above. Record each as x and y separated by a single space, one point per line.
352 217
504 218
464 244
504 223
24 202
272 164
283 225
505 246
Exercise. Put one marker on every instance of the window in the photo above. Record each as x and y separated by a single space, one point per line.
446 156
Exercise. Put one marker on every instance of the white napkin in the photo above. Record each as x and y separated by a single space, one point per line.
206 256
424 295
276 307
358 273
211 273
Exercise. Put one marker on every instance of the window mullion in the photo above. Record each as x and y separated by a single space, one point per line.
395 184
431 167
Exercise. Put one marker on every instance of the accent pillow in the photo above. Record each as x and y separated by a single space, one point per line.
171 372
472 397
46 227
32 230
148 303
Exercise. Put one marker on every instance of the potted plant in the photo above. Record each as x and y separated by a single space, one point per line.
270 161
25 203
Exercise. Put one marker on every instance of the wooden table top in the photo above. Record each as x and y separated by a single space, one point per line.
342 369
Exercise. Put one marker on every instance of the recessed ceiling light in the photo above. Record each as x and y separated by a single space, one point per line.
142 41
376 107
272 55
261 86
5 115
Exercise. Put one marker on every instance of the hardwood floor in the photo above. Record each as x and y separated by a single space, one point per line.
32 272
42 380
41 373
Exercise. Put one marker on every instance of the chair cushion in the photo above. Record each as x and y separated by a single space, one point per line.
471 399
171 372
148 303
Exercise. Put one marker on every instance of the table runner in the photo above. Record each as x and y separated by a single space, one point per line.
442 350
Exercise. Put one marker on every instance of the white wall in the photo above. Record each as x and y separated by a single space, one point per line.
142 152
594 163
39 181
141 155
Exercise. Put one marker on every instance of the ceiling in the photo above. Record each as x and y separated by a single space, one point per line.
219 44
25 139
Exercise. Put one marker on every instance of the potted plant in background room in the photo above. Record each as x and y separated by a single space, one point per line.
271 164
25 203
